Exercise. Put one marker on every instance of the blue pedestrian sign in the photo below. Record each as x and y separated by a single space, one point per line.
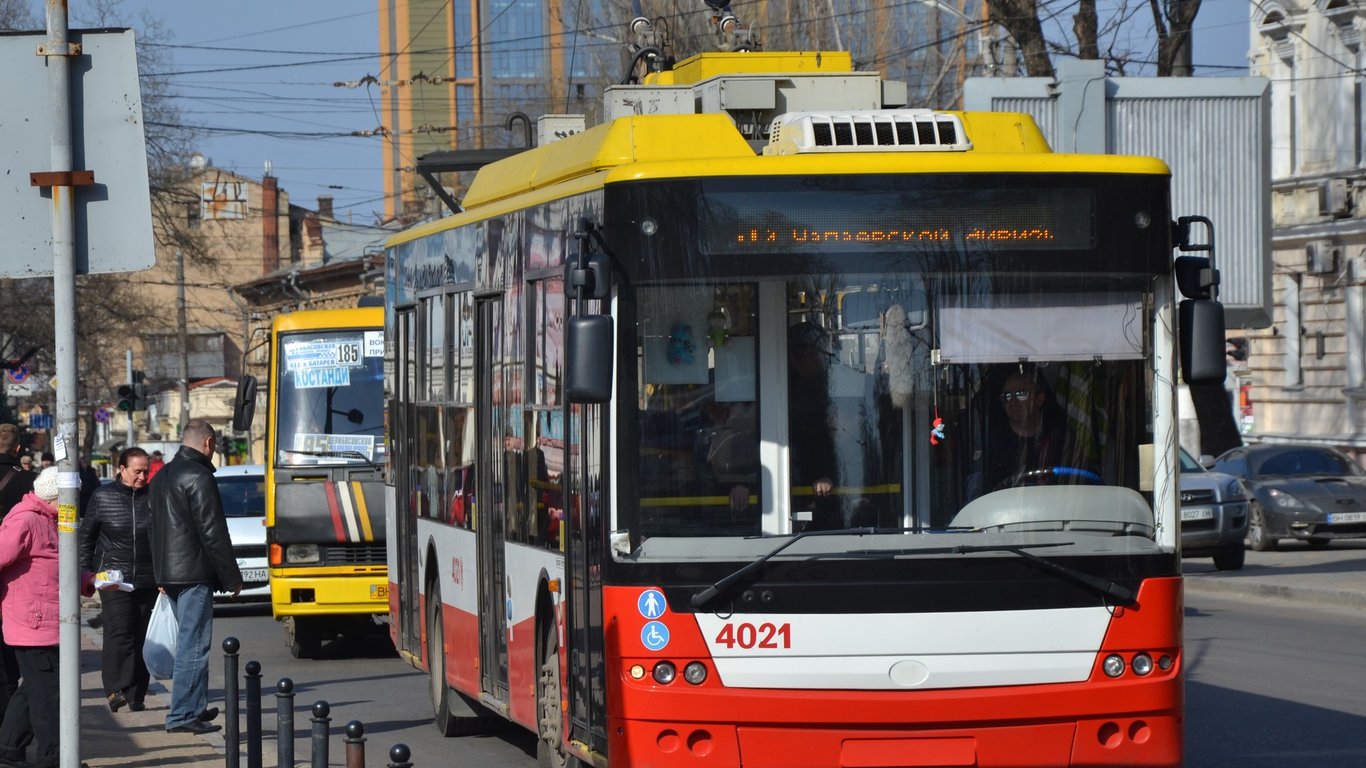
651 604
654 636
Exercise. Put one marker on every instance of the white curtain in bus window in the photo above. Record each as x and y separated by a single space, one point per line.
735 370
673 330
1043 327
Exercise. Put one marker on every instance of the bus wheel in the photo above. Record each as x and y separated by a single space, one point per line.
453 714
550 731
303 636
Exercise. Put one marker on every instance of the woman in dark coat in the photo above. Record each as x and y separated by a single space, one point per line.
116 525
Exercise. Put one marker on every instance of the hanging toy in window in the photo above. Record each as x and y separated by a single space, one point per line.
938 434
680 344
718 326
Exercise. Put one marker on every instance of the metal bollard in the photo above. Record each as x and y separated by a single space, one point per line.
398 756
253 714
355 744
232 739
284 723
321 721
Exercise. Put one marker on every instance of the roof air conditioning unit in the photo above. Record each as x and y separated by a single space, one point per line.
1321 256
1333 198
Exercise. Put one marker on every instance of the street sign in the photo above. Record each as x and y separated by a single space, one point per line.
18 374
113 215
102 415
40 421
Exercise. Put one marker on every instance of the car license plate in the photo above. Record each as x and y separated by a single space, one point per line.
1197 513
1347 517
254 575
379 591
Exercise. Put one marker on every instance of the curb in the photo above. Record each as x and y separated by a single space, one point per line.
1333 598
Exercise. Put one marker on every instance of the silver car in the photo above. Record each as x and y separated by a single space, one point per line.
1214 510
243 490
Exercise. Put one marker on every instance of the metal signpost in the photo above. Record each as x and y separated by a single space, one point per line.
87 208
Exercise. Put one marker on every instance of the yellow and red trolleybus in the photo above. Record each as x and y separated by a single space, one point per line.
812 435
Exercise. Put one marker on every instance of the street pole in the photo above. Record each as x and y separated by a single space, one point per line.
183 337
58 51
129 443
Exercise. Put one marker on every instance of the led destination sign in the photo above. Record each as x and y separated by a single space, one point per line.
804 235
996 219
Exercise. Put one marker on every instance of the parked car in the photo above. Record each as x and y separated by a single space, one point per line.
243 489
1214 510
1306 492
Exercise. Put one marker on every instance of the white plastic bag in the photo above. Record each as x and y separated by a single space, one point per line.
158 650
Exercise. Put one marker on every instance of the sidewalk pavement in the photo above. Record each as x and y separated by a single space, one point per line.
1335 577
128 738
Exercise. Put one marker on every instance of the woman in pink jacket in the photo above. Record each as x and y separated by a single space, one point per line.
30 578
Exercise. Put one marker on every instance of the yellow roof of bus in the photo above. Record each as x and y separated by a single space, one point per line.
326 319
645 147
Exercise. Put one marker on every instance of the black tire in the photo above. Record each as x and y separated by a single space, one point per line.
1257 537
304 636
1231 557
451 712
550 720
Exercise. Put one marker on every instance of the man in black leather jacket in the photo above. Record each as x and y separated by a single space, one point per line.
116 522
192 557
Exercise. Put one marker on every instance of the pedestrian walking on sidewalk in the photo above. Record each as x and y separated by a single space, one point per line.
16 481
116 526
29 575
192 557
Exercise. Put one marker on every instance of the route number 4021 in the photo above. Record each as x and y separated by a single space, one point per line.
748 635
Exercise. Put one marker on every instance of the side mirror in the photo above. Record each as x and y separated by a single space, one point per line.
588 277
1202 341
244 404
1195 278
588 359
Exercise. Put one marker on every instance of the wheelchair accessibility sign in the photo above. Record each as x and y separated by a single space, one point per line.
654 636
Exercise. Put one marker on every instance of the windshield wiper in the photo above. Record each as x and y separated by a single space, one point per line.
1103 587
347 454
702 598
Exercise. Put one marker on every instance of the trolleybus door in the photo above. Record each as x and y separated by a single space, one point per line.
586 677
405 511
491 364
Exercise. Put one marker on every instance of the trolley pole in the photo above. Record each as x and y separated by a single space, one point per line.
60 178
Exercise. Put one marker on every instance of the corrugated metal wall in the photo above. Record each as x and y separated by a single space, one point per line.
1212 132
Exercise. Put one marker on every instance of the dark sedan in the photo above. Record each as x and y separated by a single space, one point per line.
1305 492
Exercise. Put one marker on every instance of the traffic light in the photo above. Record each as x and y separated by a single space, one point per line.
133 395
127 398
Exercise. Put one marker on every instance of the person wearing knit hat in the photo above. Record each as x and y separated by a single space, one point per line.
30 575
45 484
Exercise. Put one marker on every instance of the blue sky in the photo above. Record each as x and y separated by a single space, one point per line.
259 74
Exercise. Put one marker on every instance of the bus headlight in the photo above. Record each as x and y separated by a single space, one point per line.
1143 664
301 553
695 672
665 672
1113 665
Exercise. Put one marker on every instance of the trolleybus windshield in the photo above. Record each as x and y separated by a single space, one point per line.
330 401
986 389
